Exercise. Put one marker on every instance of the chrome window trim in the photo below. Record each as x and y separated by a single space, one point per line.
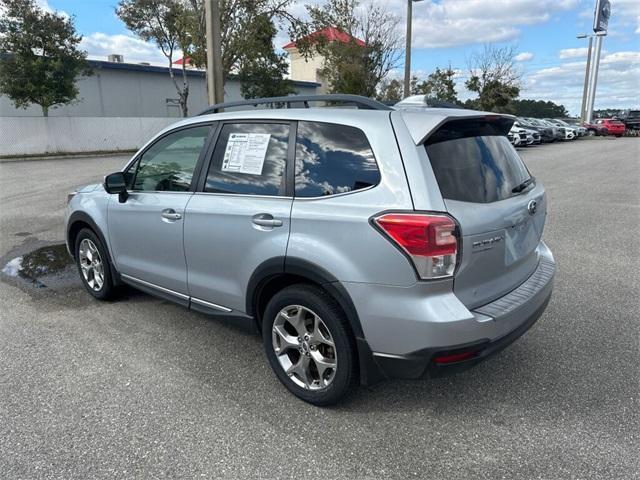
172 192
219 194
325 197
343 194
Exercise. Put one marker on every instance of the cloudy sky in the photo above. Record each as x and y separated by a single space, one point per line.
448 32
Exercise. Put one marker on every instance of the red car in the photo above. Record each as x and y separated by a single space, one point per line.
613 127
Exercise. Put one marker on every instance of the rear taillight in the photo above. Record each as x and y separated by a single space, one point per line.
429 240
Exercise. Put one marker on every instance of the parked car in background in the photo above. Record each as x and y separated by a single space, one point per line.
545 132
575 124
570 133
631 119
555 130
361 244
533 135
596 130
564 133
613 127
519 137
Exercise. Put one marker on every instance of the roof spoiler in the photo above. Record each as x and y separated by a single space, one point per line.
422 125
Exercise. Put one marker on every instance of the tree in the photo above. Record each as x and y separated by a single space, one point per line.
440 86
167 23
352 66
261 71
537 109
40 58
180 25
494 77
390 91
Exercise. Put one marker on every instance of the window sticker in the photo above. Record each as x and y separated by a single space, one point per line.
245 153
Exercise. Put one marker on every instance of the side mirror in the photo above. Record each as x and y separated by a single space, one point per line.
116 183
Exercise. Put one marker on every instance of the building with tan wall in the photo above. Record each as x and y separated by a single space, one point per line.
310 69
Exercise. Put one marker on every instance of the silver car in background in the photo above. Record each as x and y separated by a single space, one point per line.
362 244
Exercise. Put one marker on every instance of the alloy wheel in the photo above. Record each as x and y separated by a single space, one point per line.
304 347
91 264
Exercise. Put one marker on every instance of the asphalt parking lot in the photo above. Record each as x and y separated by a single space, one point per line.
143 388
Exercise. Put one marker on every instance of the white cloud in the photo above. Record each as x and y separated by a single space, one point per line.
99 45
573 53
450 23
618 82
625 8
524 57
44 5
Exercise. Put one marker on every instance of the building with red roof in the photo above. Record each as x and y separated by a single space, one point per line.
332 34
310 69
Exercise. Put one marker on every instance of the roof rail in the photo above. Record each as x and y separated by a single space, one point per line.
360 102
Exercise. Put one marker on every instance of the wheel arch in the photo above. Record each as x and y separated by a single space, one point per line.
278 273
79 220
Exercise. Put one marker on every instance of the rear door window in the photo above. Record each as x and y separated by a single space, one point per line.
250 159
332 159
473 161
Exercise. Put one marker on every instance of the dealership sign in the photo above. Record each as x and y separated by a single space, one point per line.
601 16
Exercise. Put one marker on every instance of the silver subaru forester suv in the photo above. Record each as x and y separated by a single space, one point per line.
362 244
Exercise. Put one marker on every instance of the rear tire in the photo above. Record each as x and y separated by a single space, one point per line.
309 344
92 261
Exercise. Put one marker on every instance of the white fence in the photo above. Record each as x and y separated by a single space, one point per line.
60 135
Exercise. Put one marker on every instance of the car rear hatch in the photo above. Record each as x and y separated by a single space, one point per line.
499 207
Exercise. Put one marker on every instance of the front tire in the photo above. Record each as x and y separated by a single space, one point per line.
93 265
309 344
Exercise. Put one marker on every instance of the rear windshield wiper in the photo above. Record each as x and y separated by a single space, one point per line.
522 186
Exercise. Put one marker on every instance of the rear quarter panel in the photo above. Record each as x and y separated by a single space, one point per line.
334 232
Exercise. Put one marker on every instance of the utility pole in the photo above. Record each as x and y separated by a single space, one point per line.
407 52
215 82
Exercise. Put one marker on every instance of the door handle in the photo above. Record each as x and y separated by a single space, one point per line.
266 220
171 214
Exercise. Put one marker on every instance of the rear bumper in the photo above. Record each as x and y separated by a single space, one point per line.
486 331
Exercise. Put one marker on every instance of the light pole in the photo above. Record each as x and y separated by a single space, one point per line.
590 75
594 83
407 52
585 91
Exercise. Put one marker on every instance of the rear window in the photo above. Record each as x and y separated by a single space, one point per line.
473 161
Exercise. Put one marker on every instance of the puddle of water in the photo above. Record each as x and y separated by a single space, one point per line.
13 267
40 262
